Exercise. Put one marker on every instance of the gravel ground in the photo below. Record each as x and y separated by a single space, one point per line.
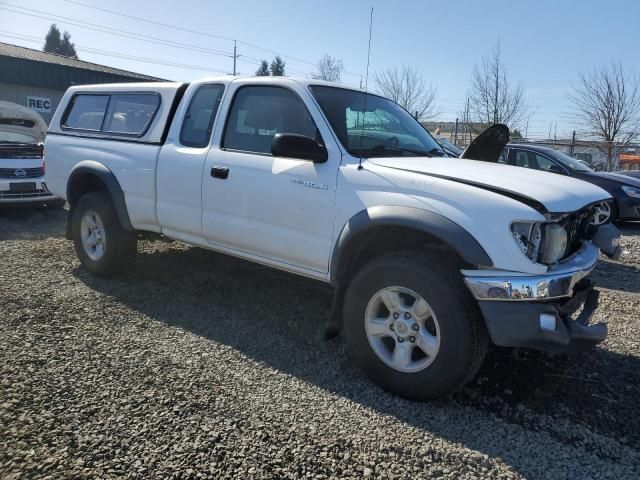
197 365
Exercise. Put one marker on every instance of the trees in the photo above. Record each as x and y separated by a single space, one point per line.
58 43
329 68
407 88
263 71
277 67
493 98
607 102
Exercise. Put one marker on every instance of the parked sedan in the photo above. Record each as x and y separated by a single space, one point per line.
22 134
630 173
624 189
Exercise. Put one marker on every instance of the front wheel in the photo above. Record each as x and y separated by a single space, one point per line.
102 245
413 327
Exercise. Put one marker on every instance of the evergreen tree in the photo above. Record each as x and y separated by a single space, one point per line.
263 71
58 43
68 48
53 40
277 67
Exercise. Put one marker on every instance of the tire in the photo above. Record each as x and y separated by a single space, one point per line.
115 247
460 334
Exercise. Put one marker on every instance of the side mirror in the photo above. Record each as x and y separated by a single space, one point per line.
292 145
557 169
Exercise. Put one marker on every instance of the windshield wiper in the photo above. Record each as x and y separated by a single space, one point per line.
385 148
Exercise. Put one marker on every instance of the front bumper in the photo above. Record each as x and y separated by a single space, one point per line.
536 311
38 194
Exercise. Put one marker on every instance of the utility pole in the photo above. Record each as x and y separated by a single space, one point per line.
555 131
455 134
235 56
572 147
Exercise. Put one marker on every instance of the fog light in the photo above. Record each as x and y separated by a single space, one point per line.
548 322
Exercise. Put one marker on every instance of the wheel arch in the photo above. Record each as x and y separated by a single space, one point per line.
381 230
406 221
91 176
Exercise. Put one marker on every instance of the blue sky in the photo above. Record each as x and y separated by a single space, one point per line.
545 43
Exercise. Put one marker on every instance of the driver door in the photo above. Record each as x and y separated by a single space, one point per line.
278 210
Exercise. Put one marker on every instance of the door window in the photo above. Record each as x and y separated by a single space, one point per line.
198 121
259 112
521 159
543 162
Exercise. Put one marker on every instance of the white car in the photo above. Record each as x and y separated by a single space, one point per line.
431 257
22 133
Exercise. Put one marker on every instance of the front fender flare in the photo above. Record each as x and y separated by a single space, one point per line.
107 177
422 220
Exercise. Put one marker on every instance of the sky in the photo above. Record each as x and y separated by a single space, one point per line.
545 44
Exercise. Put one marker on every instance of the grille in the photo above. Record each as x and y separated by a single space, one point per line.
21 151
43 192
29 173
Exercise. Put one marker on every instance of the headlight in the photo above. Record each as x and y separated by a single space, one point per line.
554 243
541 242
631 191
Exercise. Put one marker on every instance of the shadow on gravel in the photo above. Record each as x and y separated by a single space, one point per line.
617 276
27 222
277 319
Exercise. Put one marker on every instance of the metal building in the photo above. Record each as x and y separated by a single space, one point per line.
38 79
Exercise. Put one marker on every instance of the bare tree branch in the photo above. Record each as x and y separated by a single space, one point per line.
607 102
408 89
493 99
329 69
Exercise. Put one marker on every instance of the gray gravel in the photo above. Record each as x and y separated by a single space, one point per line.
196 365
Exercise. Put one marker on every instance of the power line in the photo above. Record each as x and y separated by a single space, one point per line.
29 38
109 30
198 32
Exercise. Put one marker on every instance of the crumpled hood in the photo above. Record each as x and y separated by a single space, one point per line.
15 118
557 193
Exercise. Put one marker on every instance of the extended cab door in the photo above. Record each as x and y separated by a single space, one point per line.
276 209
181 162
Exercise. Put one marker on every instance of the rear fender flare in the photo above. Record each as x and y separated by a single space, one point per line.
108 179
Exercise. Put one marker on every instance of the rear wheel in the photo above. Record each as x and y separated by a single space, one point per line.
413 327
102 245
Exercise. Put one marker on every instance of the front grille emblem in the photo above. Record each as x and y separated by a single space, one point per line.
20 172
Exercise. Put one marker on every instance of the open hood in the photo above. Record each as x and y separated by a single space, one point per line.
488 145
542 191
20 124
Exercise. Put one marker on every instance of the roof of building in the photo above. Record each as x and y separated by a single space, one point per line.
15 51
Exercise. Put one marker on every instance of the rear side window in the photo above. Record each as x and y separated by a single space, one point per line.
86 112
128 114
198 121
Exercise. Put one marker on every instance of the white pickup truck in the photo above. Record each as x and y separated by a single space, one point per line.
431 256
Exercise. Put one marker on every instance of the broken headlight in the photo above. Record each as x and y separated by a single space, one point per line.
541 242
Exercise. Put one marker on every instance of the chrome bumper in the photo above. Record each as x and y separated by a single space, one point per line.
559 282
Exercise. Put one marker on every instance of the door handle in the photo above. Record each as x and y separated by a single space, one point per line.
219 172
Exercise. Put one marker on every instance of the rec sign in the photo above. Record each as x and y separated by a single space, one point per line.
39 104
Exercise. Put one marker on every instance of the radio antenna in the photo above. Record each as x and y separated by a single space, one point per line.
366 86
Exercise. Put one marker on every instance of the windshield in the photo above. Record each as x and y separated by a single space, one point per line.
368 125
572 163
